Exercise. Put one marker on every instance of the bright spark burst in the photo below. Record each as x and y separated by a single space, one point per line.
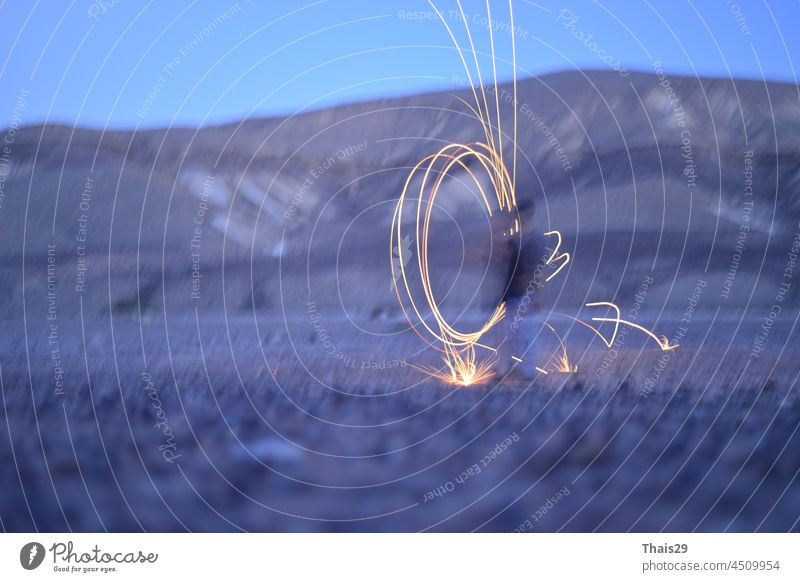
562 363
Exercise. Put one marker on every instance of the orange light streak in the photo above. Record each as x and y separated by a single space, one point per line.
461 364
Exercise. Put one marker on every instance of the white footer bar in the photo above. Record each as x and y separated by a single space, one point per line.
402 557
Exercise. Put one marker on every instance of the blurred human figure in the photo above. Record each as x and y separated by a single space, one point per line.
524 281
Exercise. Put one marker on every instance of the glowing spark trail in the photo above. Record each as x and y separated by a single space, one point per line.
662 341
458 347
462 366
556 256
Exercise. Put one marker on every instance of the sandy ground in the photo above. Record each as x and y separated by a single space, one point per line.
208 424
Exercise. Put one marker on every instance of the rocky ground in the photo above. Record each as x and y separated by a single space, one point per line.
250 425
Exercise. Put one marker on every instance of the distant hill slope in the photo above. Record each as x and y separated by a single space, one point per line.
642 174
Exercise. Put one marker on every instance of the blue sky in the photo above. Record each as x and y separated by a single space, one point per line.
107 63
